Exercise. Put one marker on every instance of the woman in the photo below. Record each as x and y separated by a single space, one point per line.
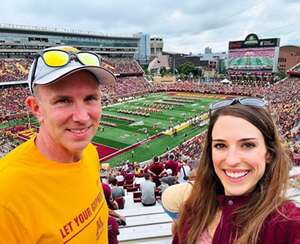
239 192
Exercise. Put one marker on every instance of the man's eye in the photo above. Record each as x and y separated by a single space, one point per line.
62 100
92 98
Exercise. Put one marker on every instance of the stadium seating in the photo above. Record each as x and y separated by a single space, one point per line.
14 69
282 96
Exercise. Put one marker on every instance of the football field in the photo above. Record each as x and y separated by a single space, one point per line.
139 129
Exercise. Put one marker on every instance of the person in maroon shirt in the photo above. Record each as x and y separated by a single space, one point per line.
156 170
113 230
239 193
114 219
172 164
129 176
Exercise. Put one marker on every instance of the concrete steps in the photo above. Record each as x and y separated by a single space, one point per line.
145 225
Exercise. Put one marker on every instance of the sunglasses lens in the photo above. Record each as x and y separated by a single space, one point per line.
220 104
56 58
253 102
88 59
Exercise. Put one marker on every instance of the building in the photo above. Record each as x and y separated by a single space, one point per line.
143 53
157 45
18 41
289 56
216 61
159 62
207 50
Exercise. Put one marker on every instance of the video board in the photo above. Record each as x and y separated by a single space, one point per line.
253 54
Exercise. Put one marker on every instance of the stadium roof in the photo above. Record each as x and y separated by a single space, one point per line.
58 31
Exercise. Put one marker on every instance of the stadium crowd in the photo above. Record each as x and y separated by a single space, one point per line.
283 96
123 65
14 69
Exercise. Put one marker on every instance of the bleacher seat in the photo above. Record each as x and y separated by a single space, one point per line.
121 202
120 183
126 186
132 188
137 196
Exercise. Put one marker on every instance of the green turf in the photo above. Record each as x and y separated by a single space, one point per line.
155 147
128 133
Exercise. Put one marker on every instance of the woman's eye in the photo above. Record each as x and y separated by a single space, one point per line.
248 145
219 145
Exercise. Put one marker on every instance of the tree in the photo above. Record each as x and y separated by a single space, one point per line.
187 68
163 71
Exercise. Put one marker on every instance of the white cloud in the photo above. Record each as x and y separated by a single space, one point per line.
186 26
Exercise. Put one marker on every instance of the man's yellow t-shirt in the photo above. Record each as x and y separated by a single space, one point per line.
43 201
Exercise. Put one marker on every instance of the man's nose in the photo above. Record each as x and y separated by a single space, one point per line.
80 114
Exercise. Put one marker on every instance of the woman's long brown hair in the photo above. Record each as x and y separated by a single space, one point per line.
202 205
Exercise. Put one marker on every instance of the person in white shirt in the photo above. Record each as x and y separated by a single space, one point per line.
148 191
184 172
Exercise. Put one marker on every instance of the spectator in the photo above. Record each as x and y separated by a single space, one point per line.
156 170
239 194
148 191
184 172
118 193
172 164
113 230
114 218
59 165
169 179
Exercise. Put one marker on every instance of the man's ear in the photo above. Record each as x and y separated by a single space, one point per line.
33 105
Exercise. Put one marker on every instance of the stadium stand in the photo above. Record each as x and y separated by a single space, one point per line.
283 96
14 69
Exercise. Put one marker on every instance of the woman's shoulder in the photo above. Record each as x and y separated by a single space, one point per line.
288 211
283 224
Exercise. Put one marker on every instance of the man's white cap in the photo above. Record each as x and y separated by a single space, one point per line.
46 75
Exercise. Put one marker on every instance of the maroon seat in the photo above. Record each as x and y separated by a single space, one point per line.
137 196
126 186
132 188
120 183
121 202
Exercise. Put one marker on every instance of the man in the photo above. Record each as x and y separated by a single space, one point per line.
172 164
156 170
169 179
116 190
148 191
50 185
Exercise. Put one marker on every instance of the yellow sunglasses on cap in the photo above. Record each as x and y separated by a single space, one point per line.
58 58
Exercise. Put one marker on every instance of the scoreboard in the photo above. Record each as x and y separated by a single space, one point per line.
253 54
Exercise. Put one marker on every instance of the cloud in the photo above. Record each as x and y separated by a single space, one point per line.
186 26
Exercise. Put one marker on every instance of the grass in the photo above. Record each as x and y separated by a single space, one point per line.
127 133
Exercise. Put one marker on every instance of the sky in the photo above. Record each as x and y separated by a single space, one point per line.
185 25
